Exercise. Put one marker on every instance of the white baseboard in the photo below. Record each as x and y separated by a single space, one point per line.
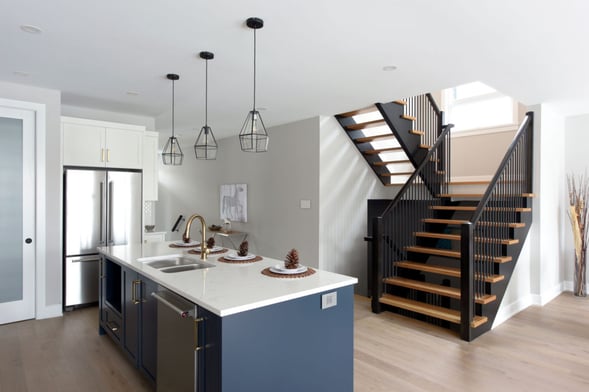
508 311
50 311
549 295
567 285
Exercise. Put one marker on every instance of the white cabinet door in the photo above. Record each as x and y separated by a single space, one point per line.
150 175
83 145
124 148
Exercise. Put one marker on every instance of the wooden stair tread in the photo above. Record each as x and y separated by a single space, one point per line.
445 221
356 112
474 208
366 139
397 174
425 146
400 102
442 270
456 237
456 254
390 162
407 117
436 269
451 292
416 132
468 195
512 225
434 251
450 315
480 195
378 151
367 124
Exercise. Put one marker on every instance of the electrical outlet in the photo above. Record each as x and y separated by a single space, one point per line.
305 203
329 300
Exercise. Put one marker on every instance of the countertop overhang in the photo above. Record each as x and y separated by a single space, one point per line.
225 289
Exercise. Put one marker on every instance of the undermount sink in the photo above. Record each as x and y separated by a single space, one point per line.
174 263
187 267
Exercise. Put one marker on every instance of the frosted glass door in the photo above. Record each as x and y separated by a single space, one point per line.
17 206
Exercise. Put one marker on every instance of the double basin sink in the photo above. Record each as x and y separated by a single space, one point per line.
175 263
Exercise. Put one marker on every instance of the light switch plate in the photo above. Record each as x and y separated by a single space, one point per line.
305 203
329 300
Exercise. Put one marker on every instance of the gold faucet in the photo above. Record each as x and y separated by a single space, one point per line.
203 243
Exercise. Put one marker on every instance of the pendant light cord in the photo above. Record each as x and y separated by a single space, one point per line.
206 92
173 108
254 109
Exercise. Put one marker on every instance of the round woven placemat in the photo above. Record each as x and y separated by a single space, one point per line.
197 252
183 246
224 260
308 272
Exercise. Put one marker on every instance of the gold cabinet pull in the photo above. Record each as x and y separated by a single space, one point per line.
134 297
108 154
102 155
196 346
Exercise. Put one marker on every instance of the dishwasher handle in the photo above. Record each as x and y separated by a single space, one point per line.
181 312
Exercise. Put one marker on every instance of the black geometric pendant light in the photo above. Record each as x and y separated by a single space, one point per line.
172 153
206 145
253 136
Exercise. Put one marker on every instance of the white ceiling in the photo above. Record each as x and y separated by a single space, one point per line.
315 57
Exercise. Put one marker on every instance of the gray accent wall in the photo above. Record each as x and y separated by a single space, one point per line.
276 182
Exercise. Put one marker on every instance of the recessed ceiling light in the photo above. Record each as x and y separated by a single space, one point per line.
134 93
21 74
389 68
31 29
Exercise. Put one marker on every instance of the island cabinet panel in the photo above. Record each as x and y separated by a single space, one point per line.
128 314
290 347
131 313
148 328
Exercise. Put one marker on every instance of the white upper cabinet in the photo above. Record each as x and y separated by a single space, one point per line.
102 144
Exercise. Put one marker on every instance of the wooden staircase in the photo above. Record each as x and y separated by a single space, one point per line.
389 138
440 256
426 286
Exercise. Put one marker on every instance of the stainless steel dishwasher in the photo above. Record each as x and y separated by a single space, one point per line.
177 342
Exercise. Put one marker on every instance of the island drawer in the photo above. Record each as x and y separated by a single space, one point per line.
111 322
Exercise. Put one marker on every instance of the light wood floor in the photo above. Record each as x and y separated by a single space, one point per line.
540 349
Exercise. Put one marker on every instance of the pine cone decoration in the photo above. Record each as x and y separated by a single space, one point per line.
243 249
292 259
211 243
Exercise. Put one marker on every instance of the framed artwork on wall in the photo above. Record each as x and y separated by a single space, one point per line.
233 202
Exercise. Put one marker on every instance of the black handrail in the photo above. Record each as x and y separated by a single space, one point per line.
495 218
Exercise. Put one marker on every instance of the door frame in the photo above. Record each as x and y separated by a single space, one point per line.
39 240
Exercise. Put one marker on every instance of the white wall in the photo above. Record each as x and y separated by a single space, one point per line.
346 183
277 180
538 277
49 180
104 115
577 163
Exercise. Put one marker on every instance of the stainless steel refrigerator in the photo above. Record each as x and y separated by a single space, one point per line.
101 207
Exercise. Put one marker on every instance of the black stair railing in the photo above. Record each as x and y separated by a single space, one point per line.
429 118
393 230
494 220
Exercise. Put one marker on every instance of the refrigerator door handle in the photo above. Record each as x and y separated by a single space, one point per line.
109 211
101 218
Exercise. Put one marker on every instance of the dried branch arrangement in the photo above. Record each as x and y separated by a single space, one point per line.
578 213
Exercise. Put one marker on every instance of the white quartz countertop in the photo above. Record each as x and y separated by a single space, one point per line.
225 289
